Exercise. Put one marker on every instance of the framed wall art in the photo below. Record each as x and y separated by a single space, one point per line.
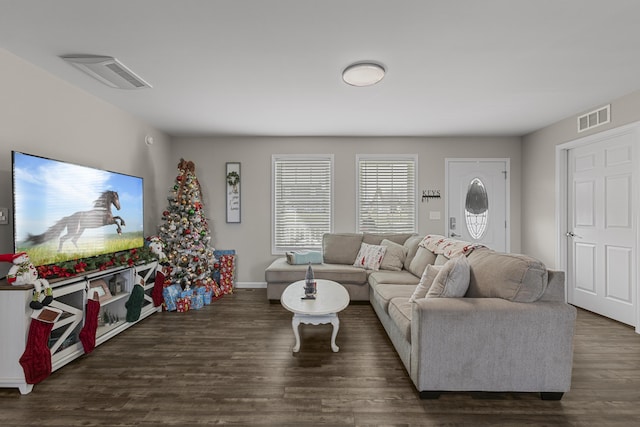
233 192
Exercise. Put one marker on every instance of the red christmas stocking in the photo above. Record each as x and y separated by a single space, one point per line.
88 332
36 359
156 293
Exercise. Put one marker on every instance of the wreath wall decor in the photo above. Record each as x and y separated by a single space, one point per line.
233 178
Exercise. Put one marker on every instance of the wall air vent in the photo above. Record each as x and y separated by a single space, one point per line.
107 70
594 118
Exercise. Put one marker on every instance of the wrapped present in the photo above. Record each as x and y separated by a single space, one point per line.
172 290
217 291
200 290
171 294
187 293
207 297
226 270
169 304
197 302
183 305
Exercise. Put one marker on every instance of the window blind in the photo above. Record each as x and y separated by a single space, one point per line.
302 201
386 194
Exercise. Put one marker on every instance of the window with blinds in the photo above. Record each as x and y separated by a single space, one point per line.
387 193
302 201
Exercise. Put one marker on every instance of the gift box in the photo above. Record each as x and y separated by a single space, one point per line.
225 275
217 290
171 294
207 297
170 304
197 302
183 305
172 290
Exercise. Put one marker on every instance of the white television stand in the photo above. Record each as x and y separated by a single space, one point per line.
70 295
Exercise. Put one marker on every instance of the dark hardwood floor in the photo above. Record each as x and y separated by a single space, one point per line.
231 363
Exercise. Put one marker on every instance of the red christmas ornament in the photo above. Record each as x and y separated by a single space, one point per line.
187 231
179 178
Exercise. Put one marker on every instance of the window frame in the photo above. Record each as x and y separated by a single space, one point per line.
404 158
277 249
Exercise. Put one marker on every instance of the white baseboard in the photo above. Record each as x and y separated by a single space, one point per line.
250 285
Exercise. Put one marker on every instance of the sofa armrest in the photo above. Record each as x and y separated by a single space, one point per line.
491 344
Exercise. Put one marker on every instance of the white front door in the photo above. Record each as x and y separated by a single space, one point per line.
477 201
601 226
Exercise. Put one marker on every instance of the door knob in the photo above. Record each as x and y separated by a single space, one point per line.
571 234
455 235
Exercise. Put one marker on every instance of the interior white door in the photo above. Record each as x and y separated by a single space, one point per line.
601 246
477 201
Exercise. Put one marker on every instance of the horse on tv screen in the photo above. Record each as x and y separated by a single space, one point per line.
64 211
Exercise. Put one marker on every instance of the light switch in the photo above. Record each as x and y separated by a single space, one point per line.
4 216
434 214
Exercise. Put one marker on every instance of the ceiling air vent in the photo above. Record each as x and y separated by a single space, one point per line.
594 118
107 70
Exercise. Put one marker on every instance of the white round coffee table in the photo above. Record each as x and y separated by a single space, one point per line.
331 298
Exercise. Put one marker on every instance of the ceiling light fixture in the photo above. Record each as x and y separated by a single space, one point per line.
363 74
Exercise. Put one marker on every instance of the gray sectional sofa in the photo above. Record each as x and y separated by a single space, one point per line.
511 331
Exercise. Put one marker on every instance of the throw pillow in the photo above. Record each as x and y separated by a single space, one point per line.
411 244
453 279
370 256
393 256
340 248
425 283
420 261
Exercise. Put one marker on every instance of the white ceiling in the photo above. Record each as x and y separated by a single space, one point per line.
273 67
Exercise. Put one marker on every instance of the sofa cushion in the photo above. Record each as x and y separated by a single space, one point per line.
412 247
377 238
425 283
281 272
452 281
386 292
400 313
513 277
340 248
369 256
421 260
394 255
392 277
555 287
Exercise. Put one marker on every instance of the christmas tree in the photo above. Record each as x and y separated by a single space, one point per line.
185 233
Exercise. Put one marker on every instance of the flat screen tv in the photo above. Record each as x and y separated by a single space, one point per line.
63 211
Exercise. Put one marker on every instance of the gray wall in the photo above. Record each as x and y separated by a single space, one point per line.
252 237
43 115
539 180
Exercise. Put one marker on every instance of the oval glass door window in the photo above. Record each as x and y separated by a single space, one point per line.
476 208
